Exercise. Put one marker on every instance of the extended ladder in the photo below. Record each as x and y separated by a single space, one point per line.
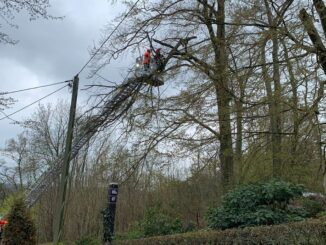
88 130
92 124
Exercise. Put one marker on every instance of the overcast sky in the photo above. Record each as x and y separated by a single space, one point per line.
52 51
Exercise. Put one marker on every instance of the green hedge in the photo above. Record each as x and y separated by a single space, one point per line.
305 232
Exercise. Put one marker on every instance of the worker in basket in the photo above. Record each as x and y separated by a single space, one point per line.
153 63
158 59
147 60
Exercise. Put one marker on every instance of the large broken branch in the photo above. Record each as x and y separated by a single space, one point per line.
314 37
321 10
174 49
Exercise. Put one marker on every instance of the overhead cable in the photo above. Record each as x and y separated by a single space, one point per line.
15 121
23 108
107 39
26 89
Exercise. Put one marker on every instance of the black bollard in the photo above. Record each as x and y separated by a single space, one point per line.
109 214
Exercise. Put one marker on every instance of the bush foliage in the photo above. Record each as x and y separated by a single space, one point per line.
20 228
313 205
133 234
89 240
257 204
157 223
305 232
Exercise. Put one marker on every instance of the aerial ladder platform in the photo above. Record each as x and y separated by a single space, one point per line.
92 124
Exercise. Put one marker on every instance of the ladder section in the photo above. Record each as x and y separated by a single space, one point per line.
91 126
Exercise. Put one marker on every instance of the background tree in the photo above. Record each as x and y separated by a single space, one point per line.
248 60
16 150
10 8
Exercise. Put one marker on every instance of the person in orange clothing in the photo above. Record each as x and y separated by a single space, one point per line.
2 224
147 59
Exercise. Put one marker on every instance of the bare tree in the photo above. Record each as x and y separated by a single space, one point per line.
10 8
318 48
16 151
207 55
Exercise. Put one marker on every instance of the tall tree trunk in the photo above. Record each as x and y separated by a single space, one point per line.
294 105
20 174
239 124
223 100
239 138
315 38
269 92
276 123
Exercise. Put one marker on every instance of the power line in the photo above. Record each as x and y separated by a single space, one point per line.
15 121
26 89
23 108
107 39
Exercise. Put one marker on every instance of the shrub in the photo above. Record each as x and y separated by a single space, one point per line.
134 234
89 240
7 204
256 204
313 206
20 228
157 223
190 226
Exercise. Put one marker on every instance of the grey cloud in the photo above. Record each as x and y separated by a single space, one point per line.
50 51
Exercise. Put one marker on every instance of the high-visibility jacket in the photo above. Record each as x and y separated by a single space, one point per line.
147 58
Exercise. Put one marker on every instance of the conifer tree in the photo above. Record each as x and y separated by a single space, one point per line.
20 228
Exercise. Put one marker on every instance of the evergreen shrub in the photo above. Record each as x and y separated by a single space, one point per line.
20 228
157 223
257 204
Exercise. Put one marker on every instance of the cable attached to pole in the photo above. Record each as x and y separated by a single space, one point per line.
23 108
26 89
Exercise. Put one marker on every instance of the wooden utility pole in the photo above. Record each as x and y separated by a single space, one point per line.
60 211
